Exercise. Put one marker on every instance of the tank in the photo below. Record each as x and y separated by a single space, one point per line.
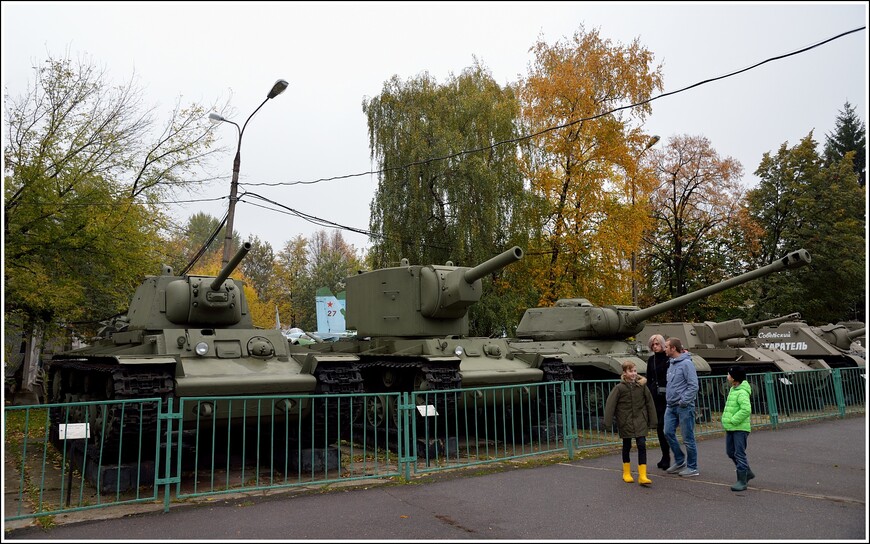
725 343
184 337
411 325
828 346
594 341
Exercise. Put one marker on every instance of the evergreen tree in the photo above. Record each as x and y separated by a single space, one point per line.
802 203
849 136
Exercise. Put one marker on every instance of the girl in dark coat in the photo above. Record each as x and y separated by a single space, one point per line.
632 404
657 381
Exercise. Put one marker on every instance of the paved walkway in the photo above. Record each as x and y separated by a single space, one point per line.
811 484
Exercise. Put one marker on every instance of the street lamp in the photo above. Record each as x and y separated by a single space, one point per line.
277 89
651 142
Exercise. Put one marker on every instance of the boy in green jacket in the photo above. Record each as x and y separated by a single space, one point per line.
737 425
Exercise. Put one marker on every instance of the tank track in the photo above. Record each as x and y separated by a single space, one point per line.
436 377
119 383
331 424
555 370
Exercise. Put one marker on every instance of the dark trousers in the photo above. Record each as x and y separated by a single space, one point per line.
641 450
735 448
661 404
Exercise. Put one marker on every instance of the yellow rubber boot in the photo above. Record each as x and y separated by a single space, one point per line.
626 473
641 476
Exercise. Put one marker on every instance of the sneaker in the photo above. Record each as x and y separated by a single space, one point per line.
676 467
689 472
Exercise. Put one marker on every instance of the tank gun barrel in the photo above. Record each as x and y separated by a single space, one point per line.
857 333
774 320
795 259
230 267
496 263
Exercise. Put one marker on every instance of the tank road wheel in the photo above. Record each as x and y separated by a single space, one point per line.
381 412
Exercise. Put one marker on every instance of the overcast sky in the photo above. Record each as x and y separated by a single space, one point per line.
336 54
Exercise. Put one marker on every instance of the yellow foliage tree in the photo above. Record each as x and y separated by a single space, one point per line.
586 174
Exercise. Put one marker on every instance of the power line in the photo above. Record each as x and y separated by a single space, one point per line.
565 125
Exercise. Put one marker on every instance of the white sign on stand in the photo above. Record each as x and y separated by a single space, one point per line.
72 431
427 410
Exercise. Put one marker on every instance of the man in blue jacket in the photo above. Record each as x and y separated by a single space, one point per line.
682 391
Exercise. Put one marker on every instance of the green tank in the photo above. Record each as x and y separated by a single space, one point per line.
183 337
828 346
411 325
595 340
726 343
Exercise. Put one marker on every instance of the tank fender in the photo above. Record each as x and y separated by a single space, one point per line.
309 365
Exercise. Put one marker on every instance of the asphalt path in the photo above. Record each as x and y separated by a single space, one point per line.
811 484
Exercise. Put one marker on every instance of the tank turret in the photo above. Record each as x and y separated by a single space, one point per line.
418 300
577 319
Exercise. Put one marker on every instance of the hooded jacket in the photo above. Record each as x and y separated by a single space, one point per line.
682 381
632 404
737 411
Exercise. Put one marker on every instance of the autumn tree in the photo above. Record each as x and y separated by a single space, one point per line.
695 212
802 203
584 174
85 166
446 191
850 135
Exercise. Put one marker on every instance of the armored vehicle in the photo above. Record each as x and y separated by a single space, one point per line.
726 343
186 337
594 341
411 325
829 346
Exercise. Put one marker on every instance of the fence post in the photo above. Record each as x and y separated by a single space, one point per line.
838 392
569 416
406 428
771 399
168 480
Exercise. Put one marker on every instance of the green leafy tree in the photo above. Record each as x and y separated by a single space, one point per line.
465 208
84 169
584 177
288 278
801 203
850 135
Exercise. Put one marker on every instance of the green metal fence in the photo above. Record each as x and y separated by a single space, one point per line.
65 457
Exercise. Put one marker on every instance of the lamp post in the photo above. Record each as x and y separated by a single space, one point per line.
277 89
651 142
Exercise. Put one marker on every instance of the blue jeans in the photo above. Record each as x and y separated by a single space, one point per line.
735 448
685 418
